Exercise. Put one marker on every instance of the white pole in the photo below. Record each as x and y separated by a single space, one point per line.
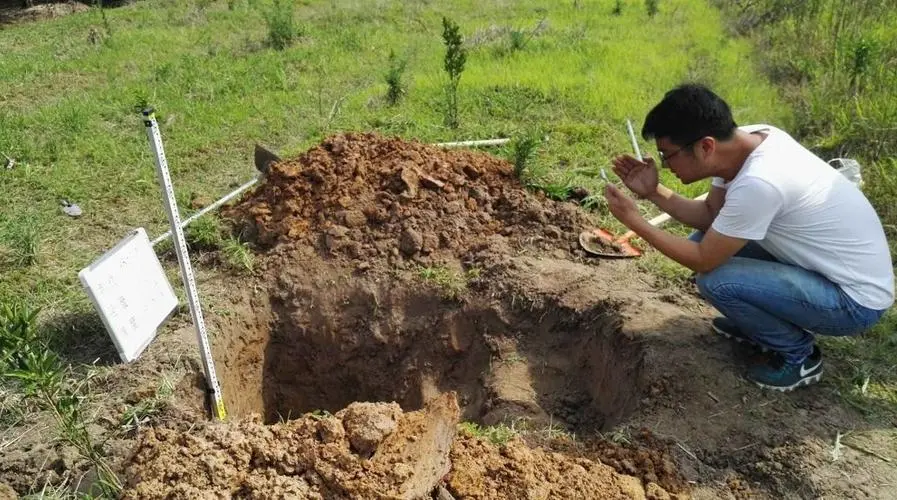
638 154
180 247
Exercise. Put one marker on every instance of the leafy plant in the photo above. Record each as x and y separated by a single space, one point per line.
455 58
618 8
282 31
396 86
518 39
652 7
523 150
862 55
27 359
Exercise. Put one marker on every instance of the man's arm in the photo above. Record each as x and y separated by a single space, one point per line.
712 251
698 214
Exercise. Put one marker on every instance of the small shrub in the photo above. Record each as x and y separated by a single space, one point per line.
652 7
862 53
522 151
518 39
618 8
282 31
396 86
455 58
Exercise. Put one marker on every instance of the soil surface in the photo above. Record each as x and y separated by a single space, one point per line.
402 288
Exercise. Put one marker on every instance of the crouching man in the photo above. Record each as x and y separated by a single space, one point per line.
785 247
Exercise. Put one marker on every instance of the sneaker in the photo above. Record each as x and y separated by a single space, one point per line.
779 375
725 327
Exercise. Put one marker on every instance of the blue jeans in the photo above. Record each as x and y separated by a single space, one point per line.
778 305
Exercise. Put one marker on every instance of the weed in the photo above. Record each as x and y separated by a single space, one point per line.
455 58
594 202
618 8
26 359
282 31
21 243
205 234
517 39
143 412
237 254
496 434
395 85
652 7
523 149
452 283
862 55
106 26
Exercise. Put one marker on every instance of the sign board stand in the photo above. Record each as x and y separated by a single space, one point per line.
129 290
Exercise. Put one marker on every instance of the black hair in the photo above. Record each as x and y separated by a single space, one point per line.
687 113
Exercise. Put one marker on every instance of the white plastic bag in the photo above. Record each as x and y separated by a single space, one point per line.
849 168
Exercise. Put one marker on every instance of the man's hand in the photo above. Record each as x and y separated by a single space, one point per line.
621 206
639 176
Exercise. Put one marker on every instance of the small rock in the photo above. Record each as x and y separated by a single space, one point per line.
471 172
553 232
338 231
411 180
366 424
331 430
70 209
453 207
410 242
355 218
430 182
654 492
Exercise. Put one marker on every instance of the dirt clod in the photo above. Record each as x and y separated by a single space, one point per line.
291 460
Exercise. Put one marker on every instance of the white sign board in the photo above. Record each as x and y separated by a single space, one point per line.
131 293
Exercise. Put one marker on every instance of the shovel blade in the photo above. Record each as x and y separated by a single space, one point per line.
264 158
601 243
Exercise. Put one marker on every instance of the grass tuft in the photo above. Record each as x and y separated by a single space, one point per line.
496 434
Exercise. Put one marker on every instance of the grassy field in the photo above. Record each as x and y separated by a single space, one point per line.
569 73
68 116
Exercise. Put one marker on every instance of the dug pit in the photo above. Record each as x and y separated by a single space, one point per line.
319 340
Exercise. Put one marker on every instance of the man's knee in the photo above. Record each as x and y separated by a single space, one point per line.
713 284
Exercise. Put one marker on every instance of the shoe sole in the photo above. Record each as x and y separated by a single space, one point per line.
740 340
804 381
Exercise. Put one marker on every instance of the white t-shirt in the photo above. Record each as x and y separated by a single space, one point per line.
805 213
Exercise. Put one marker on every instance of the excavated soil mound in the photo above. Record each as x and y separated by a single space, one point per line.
373 198
366 451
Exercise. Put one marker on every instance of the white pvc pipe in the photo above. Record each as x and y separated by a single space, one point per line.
209 208
485 142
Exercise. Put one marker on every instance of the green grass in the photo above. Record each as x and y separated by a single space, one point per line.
452 283
496 434
68 104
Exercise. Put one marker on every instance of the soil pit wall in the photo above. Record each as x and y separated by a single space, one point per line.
328 340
